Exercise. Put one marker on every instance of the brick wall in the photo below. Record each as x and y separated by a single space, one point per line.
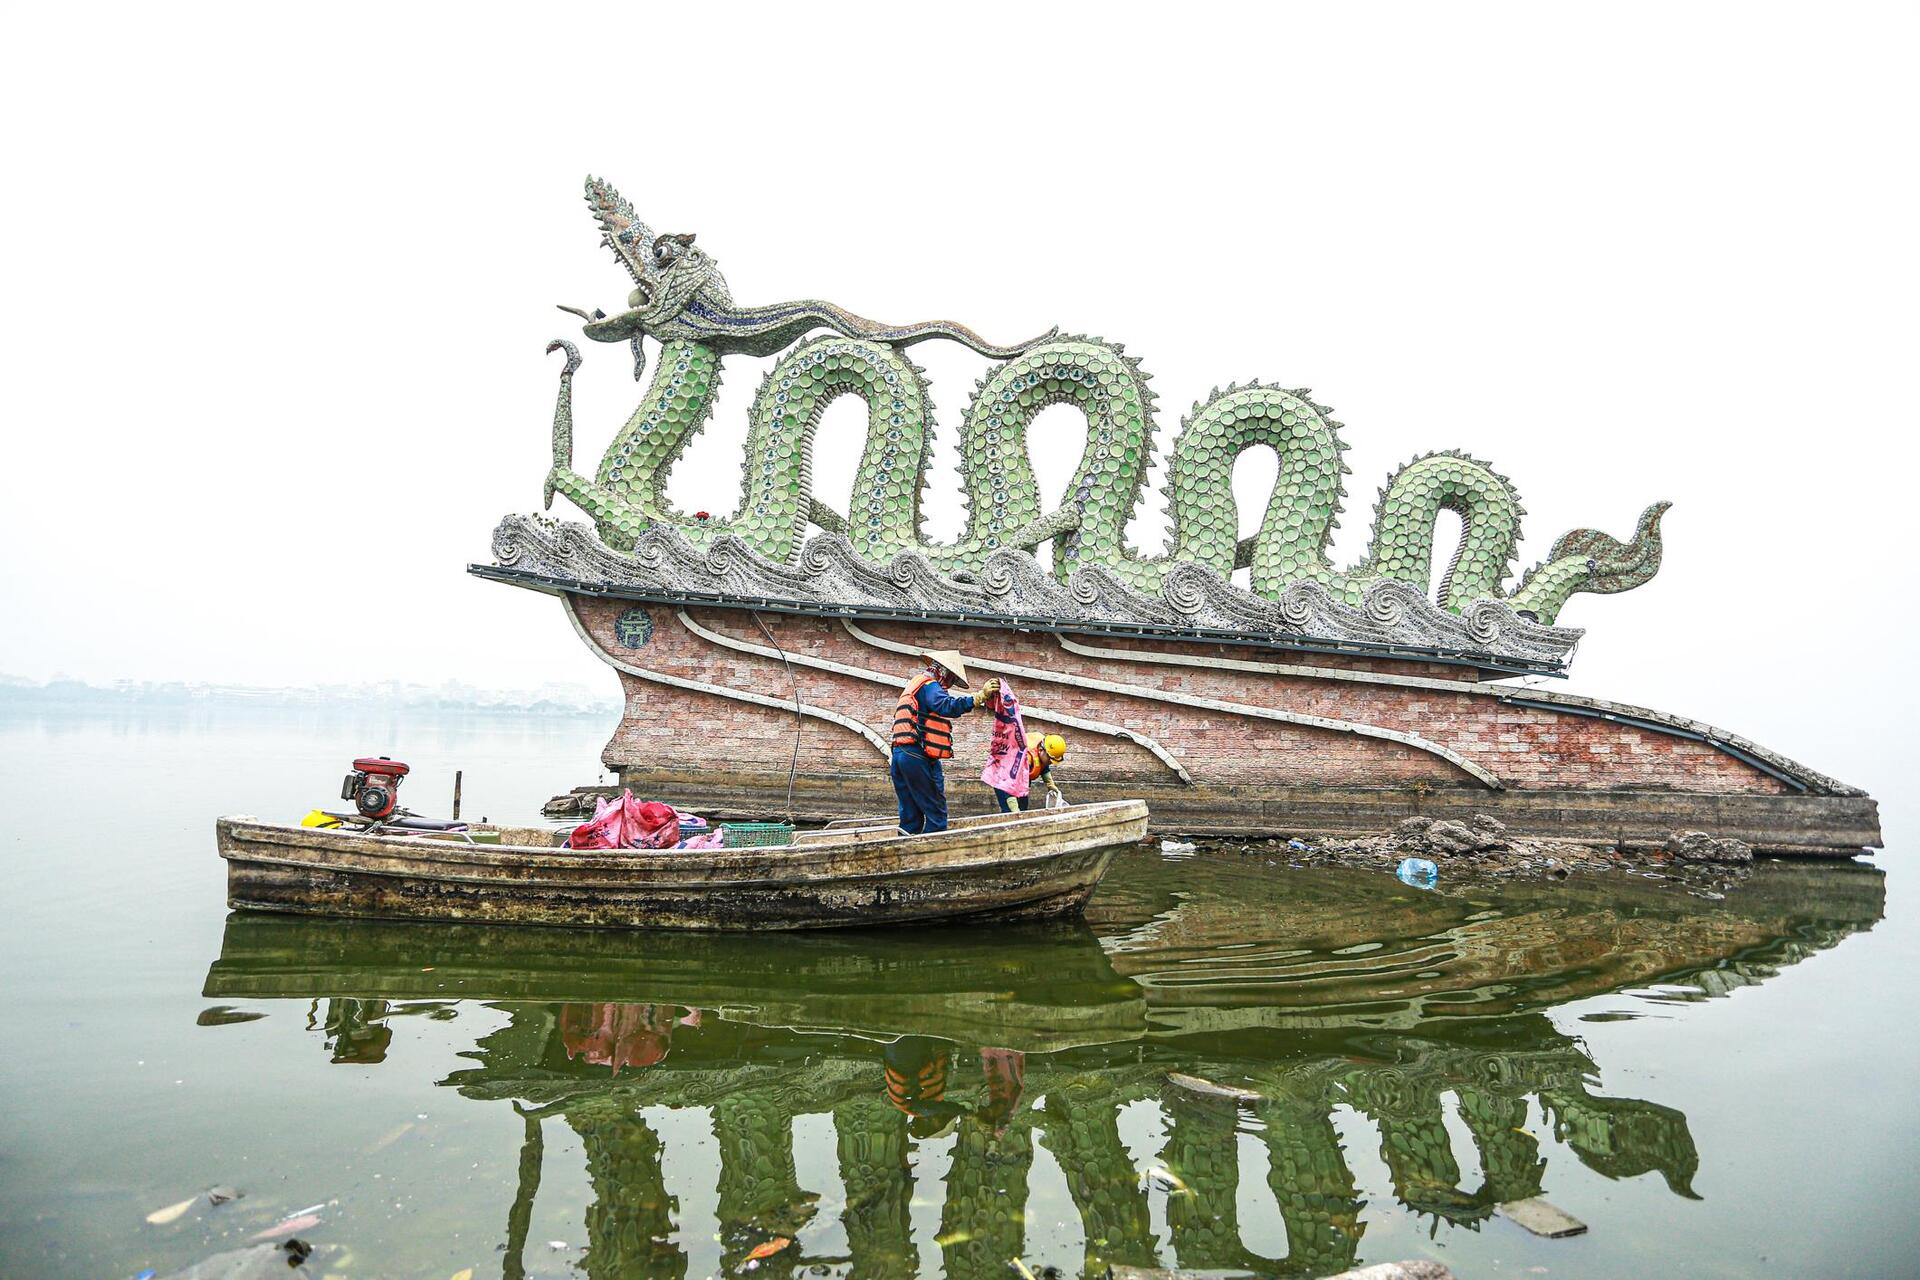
1523 747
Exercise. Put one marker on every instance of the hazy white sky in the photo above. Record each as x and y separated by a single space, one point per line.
279 281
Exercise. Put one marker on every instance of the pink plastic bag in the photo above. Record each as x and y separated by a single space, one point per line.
627 823
606 829
1007 754
652 826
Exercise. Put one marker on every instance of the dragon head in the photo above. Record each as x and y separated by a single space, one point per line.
679 295
667 270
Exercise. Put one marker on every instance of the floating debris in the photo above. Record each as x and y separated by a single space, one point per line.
1207 1088
223 1015
390 1137
1543 1219
767 1248
1417 1269
287 1227
161 1217
258 1260
1168 1181
1418 872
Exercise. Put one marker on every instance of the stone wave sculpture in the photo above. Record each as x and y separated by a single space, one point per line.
681 300
831 574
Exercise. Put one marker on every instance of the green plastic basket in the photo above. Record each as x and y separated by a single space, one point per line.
747 835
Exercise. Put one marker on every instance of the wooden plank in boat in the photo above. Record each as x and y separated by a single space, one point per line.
847 835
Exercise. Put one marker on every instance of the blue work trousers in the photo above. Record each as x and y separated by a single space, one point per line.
921 787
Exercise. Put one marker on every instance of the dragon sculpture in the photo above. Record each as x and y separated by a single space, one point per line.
681 300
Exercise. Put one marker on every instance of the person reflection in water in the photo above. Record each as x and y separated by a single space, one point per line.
1006 1072
356 1031
918 1069
621 1035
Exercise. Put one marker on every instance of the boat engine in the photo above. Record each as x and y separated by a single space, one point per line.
374 786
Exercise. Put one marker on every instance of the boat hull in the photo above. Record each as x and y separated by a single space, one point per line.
1016 867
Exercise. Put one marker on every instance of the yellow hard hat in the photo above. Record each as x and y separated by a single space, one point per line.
1055 747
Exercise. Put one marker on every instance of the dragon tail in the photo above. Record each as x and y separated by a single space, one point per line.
1590 560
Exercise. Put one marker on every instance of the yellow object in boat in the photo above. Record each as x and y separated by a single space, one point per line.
319 818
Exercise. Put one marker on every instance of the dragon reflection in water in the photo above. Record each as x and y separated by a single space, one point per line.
1209 1025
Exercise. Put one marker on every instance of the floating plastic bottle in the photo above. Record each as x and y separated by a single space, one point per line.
1418 872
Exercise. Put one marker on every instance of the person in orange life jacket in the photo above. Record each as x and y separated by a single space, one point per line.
1043 752
917 1071
923 737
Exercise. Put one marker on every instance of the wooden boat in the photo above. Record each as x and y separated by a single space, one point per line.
1021 866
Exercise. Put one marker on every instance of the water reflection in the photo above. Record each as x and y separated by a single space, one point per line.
1185 1048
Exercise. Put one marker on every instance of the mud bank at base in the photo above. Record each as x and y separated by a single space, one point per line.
1786 826
1482 848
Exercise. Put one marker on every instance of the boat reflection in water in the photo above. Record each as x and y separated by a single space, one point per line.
1251 1011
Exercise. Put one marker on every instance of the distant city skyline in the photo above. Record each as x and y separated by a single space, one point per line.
560 698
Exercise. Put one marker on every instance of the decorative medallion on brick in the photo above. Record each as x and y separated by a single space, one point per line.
633 629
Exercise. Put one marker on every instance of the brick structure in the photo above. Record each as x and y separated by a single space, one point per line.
1216 737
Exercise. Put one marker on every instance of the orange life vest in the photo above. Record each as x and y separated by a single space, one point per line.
912 1088
931 734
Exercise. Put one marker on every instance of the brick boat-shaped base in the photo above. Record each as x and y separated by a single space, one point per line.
728 709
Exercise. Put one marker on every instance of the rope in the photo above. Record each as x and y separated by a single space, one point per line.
793 765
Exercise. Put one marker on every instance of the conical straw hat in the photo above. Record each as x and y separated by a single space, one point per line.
952 661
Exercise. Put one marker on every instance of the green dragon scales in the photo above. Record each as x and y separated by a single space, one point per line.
681 300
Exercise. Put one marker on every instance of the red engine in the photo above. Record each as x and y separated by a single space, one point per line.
374 786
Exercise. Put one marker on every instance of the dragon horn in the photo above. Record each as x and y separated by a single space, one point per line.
625 234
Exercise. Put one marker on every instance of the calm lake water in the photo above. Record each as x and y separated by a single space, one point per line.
1718 1088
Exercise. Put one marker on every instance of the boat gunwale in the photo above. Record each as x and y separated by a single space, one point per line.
897 873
